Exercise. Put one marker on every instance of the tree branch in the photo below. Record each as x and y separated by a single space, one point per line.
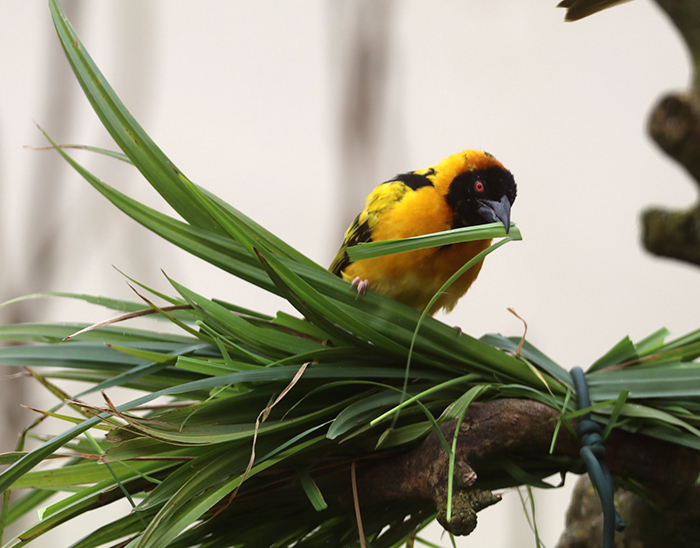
515 428
675 126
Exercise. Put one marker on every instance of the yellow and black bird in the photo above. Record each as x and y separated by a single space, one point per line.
465 189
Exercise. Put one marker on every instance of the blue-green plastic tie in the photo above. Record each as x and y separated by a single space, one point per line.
592 451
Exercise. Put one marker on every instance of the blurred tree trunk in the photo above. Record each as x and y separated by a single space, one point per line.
647 526
361 36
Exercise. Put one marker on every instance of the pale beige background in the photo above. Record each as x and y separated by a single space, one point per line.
247 99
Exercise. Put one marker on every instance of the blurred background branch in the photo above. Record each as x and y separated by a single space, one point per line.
675 127
362 60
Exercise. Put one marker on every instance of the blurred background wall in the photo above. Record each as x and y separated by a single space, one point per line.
293 110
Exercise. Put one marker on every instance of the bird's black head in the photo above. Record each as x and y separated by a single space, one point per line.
483 195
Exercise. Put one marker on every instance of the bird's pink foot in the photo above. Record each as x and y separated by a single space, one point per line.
361 285
458 329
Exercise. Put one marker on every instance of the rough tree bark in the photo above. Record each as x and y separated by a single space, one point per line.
666 473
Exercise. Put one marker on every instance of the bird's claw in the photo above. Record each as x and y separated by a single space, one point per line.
361 285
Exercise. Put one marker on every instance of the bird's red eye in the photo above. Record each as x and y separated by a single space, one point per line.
479 186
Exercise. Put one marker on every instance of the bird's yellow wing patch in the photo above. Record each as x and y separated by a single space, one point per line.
383 199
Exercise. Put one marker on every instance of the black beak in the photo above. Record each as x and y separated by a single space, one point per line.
494 211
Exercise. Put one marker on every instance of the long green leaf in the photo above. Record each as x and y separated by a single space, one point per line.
312 491
671 381
156 167
623 351
121 125
370 250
